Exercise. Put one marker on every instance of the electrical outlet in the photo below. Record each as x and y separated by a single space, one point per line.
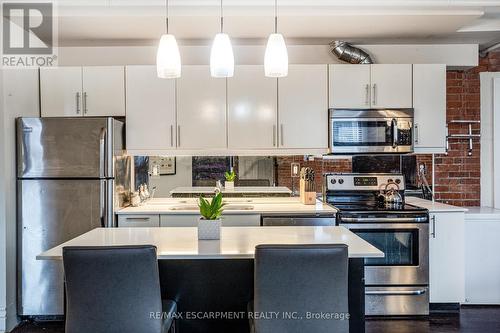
295 169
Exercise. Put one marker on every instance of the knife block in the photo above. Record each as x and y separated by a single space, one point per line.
306 198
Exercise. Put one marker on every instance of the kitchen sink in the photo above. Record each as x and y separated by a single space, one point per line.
226 207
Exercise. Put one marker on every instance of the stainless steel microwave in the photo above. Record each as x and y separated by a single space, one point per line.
371 131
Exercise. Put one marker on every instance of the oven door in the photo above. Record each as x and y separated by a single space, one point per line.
405 245
370 135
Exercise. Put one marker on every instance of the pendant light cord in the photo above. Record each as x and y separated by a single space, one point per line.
275 16
166 16
221 17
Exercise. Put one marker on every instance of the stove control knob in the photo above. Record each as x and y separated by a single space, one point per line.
333 181
390 180
398 181
341 181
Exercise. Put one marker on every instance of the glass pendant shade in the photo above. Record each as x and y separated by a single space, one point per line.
168 58
276 57
221 57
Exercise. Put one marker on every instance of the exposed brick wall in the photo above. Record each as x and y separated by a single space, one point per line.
457 175
319 166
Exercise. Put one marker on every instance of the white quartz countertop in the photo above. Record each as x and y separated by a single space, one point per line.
433 207
235 243
237 189
286 205
482 213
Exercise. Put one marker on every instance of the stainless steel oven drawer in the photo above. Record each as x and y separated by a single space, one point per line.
397 301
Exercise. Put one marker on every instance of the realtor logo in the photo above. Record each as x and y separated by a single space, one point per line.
28 34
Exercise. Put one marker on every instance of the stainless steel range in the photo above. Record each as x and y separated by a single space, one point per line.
372 206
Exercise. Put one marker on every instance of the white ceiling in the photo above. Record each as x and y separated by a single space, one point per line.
135 22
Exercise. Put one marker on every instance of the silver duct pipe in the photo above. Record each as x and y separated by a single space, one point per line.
484 53
348 53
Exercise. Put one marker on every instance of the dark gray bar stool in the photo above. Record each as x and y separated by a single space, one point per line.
115 289
295 281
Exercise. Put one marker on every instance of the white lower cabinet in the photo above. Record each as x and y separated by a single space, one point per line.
252 220
447 257
140 220
482 261
191 220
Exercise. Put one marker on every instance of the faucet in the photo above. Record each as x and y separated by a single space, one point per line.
152 192
218 187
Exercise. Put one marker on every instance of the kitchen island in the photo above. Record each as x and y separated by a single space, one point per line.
217 276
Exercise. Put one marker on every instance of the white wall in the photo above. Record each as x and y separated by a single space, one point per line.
183 177
20 98
453 55
3 249
490 142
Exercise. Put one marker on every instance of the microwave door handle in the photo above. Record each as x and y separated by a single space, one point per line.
394 133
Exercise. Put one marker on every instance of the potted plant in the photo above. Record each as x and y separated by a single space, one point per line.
230 177
210 222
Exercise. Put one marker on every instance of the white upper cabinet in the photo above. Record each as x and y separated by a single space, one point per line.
370 86
391 86
150 110
201 109
87 91
303 107
429 103
350 86
104 91
61 91
252 109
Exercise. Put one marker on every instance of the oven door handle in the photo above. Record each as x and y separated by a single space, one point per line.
394 124
383 219
396 292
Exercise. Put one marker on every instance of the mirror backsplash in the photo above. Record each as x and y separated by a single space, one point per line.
168 173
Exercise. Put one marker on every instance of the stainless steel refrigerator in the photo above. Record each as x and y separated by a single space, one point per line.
72 174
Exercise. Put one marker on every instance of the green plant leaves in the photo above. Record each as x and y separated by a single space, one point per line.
230 176
211 210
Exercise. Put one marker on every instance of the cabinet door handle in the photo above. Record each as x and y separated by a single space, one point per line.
77 103
282 135
178 135
416 133
137 218
374 101
171 135
433 219
274 135
85 111
367 94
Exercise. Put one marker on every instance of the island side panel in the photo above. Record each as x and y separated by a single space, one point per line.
226 285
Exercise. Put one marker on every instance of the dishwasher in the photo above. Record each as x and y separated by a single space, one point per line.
298 220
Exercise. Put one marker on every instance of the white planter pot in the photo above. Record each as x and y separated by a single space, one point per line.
229 186
209 229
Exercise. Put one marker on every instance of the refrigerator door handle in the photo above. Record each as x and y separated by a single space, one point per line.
102 152
102 202
106 203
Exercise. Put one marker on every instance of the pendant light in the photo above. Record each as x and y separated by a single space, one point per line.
221 54
168 58
276 56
